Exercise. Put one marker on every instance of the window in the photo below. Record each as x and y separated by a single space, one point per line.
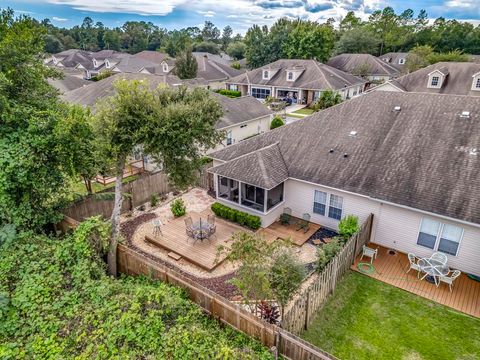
274 196
233 87
95 63
438 236
228 189
428 233
290 76
451 236
265 75
401 61
260 93
229 137
477 83
320 202
435 80
107 64
336 205
165 68
253 197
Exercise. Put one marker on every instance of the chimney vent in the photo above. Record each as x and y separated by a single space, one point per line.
465 114
353 133
331 151
397 108
345 155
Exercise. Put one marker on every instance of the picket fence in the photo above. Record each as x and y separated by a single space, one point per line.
301 313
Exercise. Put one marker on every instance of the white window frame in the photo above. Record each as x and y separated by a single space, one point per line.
233 87
476 83
328 205
263 74
290 76
165 67
107 64
229 138
401 61
439 236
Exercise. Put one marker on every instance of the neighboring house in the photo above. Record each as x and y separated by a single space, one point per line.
456 78
161 63
68 83
243 117
412 161
300 80
364 65
397 59
214 69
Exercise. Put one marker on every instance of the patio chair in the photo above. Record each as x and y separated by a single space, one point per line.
188 228
413 262
286 216
211 222
440 257
369 252
157 227
304 223
451 278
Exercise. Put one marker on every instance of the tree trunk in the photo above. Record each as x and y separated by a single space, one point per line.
115 219
88 184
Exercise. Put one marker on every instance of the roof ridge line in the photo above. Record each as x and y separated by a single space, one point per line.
321 72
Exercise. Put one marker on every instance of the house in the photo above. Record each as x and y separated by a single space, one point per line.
397 59
302 81
456 78
214 69
243 117
68 82
412 160
364 65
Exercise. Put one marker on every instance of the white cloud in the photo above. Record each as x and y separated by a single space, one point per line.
59 19
208 13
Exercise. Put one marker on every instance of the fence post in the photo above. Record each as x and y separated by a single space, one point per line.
307 302
355 248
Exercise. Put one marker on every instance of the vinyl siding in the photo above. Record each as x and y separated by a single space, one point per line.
386 87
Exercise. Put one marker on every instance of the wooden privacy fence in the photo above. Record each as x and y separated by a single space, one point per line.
140 191
288 345
299 316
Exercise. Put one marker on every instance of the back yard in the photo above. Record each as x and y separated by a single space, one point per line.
367 319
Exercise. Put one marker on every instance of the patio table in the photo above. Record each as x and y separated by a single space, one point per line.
433 268
201 230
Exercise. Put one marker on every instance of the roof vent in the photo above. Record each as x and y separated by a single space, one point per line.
345 155
397 108
465 114
353 133
474 151
331 151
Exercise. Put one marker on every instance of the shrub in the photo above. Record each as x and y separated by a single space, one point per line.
229 93
236 66
327 252
348 226
276 122
251 221
178 207
154 199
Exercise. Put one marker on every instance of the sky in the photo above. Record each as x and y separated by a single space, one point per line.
239 14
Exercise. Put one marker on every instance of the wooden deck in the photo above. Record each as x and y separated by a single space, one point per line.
200 253
390 269
279 231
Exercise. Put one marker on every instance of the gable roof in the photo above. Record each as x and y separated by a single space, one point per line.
266 167
212 70
68 83
350 63
314 76
88 95
239 110
393 57
153 56
421 156
458 81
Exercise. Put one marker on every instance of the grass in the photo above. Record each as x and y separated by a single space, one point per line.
367 319
78 188
304 111
295 115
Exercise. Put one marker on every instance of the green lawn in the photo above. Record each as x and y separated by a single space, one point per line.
78 187
304 111
367 319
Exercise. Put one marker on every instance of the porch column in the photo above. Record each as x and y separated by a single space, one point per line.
265 197
239 193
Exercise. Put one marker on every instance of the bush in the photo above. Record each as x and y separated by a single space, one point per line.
229 93
154 199
276 122
251 221
236 66
348 226
327 252
178 207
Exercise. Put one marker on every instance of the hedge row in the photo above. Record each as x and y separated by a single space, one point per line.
252 221
229 93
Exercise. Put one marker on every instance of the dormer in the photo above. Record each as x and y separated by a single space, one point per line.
95 63
476 82
292 74
107 64
436 78
265 74
165 67
401 61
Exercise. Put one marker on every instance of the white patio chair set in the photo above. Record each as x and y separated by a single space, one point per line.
434 267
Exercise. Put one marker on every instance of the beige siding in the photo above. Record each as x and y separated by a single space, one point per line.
386 87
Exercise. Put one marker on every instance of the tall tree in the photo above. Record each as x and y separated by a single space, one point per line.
226 37
186 65
358 41
236 50
173 125
210 32
256 40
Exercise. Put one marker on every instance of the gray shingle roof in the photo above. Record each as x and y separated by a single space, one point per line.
239 110
393 57
421 157
266 168
315 76
153 56
458 81
351 62
211 70
68 83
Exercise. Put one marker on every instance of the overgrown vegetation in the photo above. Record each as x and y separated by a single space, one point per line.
422 56
252 221
57 302
178 207
186 65
348 226
327 99
102 75
368 319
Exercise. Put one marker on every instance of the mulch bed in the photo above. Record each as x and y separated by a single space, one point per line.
324 235
218 284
